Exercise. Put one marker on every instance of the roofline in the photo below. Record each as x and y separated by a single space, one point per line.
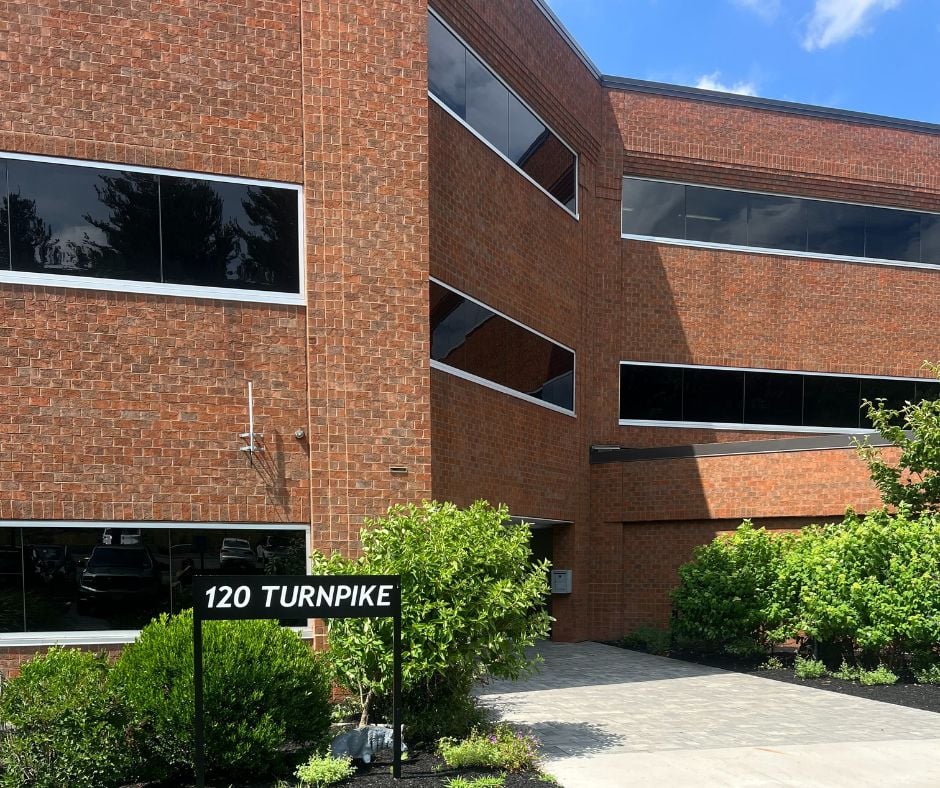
770 105
569 39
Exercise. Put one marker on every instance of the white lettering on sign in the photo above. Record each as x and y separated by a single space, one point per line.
307 595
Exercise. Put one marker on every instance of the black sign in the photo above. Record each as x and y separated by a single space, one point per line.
297 596
223 597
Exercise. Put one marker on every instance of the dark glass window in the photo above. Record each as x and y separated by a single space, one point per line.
222 234
57 579
648 392
4 219
715 215
471 338
892 235
836 228
776 222
653 208
930 239
83 221
447 70
773 398
926 389
467 86
831 401
132 226
713 395
487 104
895 393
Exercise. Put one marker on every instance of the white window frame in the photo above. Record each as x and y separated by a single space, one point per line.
575 214
764 250
122 636
748 427
161 288
459 373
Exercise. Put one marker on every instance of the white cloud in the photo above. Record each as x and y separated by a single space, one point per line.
713 82
765 9
833 21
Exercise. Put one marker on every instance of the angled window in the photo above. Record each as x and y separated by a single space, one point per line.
461 82
475 342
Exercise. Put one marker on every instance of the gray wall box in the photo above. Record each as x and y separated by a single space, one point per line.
561 581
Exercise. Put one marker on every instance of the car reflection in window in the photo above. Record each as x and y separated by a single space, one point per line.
127 575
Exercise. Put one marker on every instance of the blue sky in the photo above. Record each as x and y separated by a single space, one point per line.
878 56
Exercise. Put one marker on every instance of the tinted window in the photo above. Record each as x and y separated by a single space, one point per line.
831 401
836 228
540 154
927 389
487 104
447 67
895 393
892 235
526 133
4 219
713 395
930 239
648 392
773 398
83 221
776 222
471 338
715 215
653 208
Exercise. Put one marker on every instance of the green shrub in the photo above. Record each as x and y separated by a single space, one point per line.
846 672
928 674
322 770
68 727
652 640
502 748
880 675
772 663
728 596
471 603
809 668
871 582
492 781
264 689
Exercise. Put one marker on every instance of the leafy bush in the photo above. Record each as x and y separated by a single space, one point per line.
471 603
264 689
928 674
846 672
68 727
914 479
322 770
871 582
502 748
772 663
728 596
880 675
809 668
649 639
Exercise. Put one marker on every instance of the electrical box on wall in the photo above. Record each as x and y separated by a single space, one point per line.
561 581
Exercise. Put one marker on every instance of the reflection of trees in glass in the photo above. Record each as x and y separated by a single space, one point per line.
271 252
198 244
22 225
130 232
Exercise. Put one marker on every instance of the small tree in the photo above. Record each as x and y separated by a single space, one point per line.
472 601
914 479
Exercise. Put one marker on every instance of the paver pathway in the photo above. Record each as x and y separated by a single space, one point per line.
608 717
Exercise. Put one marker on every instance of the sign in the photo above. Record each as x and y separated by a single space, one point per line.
239 597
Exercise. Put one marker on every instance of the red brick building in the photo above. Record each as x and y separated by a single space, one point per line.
453 261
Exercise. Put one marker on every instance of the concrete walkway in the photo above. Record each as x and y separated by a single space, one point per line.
610 718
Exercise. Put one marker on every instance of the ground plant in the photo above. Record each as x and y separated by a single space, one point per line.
876 676
66 726
472 601
322 770
264 691
490 781
809 668
653 640
500 748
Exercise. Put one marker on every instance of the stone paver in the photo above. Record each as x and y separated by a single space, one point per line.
610 717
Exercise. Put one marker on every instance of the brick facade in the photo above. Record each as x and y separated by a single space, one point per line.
124 407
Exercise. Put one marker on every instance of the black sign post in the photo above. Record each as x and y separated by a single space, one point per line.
287 597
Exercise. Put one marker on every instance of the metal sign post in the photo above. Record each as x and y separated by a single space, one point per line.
242 597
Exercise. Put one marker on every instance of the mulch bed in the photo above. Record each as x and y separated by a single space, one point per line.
420 770
904 693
